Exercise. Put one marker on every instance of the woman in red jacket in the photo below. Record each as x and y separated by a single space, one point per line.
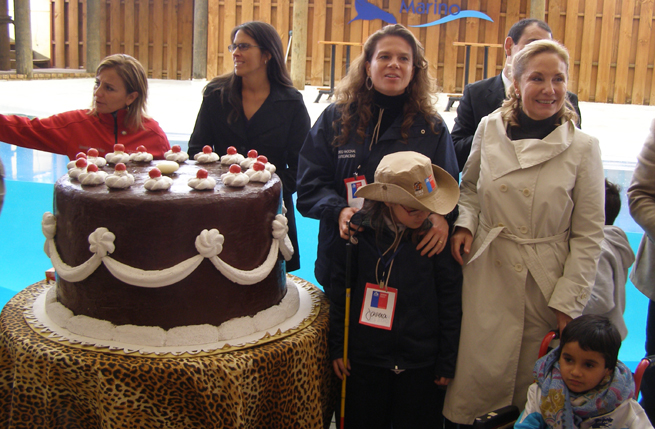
117 115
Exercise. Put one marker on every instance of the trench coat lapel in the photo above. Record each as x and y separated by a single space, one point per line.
505 155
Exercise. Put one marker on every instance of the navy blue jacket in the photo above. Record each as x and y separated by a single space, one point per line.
427 318
322 169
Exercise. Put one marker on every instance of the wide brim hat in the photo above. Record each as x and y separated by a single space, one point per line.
410 179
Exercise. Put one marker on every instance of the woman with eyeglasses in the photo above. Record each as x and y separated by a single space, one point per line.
255 106
117 116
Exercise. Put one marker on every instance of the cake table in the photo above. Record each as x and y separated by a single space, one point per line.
279 384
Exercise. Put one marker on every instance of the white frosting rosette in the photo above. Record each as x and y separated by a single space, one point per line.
208 183
75 172
270 167
206 158
141 157
247 163
71 164
92 178
228 159
116 157
160 183
178 157
97 160
119 180
259 176
237 180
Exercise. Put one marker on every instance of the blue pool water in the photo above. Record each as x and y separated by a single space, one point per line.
30 178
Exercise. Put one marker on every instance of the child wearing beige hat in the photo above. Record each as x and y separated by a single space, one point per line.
405 309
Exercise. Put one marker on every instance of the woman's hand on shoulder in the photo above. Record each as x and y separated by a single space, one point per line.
563 319
435 238
340 369
460 243
344 222
442 381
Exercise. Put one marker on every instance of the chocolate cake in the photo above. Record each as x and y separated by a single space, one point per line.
154 242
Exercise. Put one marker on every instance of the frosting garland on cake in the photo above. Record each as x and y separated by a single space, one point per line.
209 244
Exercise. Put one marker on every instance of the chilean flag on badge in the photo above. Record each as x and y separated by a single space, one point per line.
430 183
379 300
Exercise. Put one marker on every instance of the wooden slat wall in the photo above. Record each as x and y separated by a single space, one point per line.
611 42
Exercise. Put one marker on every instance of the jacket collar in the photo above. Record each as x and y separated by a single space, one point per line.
506 156
107 119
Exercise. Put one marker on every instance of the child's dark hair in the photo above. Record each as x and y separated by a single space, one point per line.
376 211
612 202
595 333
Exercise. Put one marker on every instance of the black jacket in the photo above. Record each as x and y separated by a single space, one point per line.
322 169
277 130
479 100
428 312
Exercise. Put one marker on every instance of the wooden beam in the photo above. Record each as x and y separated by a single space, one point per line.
299 43
200 25
23 29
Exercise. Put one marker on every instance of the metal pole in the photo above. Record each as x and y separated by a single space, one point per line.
23 27
200 24
5 20
299 43
93 52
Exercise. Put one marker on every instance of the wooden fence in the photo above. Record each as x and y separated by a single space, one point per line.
611 42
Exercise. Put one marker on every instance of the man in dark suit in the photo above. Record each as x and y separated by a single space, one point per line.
483 97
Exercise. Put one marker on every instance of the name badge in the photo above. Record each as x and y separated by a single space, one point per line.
352 185
378 307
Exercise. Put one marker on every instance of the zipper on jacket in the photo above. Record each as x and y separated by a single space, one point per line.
115 128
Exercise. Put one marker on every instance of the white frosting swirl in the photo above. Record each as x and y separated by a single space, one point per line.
93 178
247 163
119 180
209 243
71 164
75 172
49 225
102 242
270 167
116 157
238 180
178 157
141 157
228 159
206 158
97 160
258 176
208 183
160 183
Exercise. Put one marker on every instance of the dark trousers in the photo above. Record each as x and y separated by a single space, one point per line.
380 399
648 382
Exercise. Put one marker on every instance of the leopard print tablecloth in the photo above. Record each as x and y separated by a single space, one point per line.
45 384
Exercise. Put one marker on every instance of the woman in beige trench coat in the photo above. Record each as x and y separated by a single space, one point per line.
530 228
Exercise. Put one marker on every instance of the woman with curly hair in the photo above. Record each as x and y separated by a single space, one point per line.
384 105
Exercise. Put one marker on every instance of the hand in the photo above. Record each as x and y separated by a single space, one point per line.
436 237
461 242
340 369
442 381
344 218
563 319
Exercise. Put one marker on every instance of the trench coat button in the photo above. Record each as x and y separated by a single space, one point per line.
526 192
498 263
584 295
423 131
501 225
503 188
518 268
524 230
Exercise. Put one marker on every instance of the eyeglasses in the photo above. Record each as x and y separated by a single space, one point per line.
242 47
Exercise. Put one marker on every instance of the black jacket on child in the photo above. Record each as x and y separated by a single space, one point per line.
428 312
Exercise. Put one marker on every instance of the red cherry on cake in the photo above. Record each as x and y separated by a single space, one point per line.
119 147
80 155
258 166
235 169
262 158
154 173
92 152
231 150
207 149
252 153
176 148
141 148
120 167
80 163
92 168
202 174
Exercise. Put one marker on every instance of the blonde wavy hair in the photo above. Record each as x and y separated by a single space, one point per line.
355 102
513 105
135 79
